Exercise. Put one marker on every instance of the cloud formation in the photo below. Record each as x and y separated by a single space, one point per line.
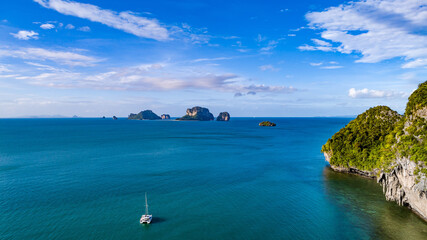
268 67
84 29
149 77
60 57
370 93
69 26
25 35
126 21
378 30
47 26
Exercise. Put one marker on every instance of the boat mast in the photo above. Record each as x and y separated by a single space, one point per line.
146 204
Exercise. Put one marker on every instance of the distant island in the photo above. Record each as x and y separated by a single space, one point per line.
382 144
197 114
192 114
223 116
144 115
267 124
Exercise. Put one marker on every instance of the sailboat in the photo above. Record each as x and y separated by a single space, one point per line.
145 218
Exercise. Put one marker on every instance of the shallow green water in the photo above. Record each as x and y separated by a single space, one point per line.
86 179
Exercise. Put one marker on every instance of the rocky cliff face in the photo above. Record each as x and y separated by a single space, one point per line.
393 149
224 116
165 116
403 186
197 114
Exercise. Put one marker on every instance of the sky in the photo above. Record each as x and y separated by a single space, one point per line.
303 58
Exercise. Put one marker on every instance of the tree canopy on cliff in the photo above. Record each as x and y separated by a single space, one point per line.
360 143
379 135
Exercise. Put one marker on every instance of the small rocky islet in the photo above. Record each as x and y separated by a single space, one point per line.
223 116
389 147
267 124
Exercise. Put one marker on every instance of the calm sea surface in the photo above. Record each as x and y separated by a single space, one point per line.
86 179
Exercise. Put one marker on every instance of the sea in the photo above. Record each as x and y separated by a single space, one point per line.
86 178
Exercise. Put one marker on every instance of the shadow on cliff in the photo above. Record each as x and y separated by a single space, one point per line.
361 201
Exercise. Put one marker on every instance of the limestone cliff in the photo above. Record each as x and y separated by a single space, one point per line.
391 148
224 116
197 114
166 116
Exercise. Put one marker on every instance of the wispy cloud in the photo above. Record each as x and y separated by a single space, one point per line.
211 59
268 67
47 26
70 26
370 93
272 44
150 77
126 21
378 30
319 45
84 29
4 68
60 57
331 67
25 35
323 65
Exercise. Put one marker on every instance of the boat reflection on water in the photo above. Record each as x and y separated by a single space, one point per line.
364 204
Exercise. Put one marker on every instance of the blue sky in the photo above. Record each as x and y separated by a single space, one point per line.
250 58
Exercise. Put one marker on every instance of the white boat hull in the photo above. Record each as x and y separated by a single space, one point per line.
146 219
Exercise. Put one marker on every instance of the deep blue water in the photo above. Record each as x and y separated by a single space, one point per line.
86 179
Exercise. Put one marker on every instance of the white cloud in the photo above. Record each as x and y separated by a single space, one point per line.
268 67
69 26
126 21
331 67
4 68
47 26
272 44
321 42
368 93
320 45
211 59
260 38
292 35
25 35
60 57
321 65
84 29
378 30
151 77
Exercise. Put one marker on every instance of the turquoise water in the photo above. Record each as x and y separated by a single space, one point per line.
86 179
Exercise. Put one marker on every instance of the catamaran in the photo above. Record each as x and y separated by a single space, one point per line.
145 218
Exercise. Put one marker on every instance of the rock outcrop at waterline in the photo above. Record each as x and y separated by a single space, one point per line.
392 148
224 116
267 124
144 115
166 116
197 114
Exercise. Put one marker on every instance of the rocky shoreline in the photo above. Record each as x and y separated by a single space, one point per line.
399 185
